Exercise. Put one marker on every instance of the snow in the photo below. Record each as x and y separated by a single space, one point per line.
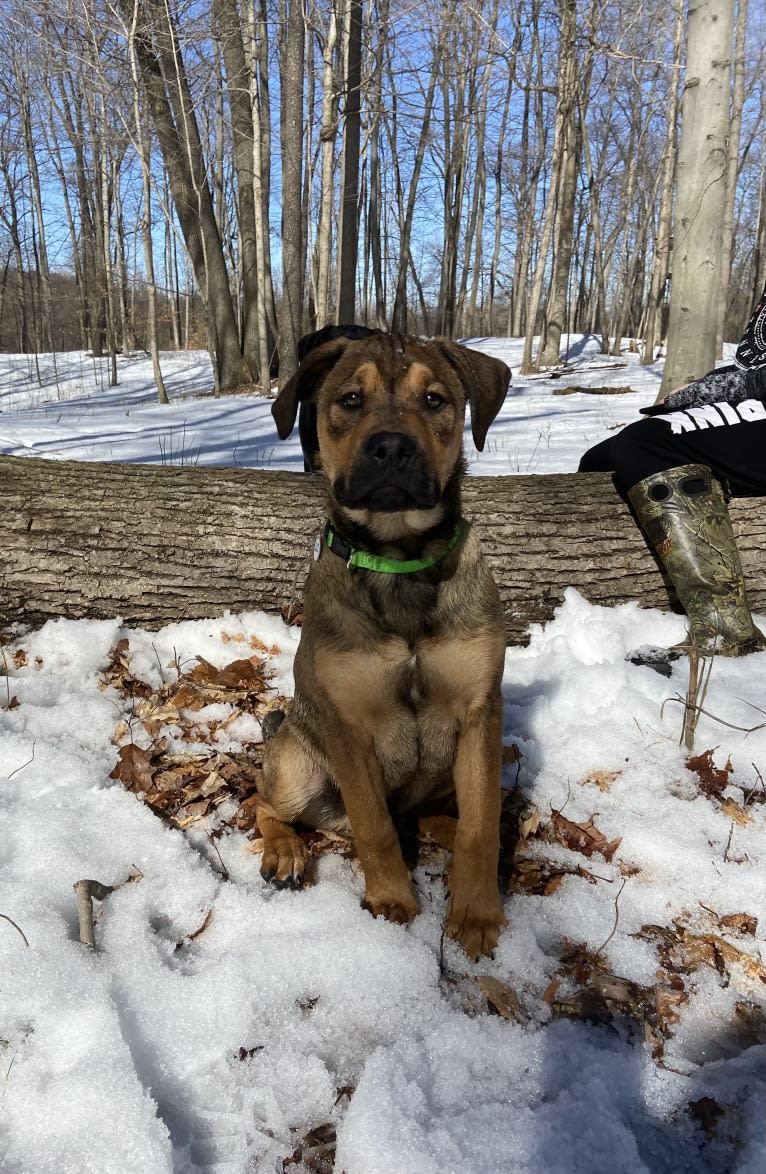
221 1052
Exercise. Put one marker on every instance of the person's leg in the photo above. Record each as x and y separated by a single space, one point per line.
670 468
599 459
683 513
729 440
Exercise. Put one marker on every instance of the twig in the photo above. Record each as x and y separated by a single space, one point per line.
713 717
214 846
5 917
7 676
758 783
616 917
695 695
728 843
85 891
24 764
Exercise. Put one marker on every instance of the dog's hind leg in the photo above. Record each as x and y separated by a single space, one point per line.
293 789
285 856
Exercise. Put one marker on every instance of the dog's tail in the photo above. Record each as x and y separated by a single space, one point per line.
270 723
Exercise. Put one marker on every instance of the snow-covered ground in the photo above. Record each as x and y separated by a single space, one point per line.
224 1027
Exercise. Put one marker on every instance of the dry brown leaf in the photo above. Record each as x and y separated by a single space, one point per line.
582 837
667 1003
501 997
133 769
191 813
602 779
203 788
682 951
188 696
529 822
20 658
741 924
238 674
511 754
550 992
733 810
536 877
713 780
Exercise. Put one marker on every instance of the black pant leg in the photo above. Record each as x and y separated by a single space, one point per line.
731 441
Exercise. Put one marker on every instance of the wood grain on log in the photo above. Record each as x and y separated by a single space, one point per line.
155 544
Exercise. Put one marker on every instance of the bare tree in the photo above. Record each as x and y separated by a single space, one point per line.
661 261
732 169
348 235
291 66
163 76
700 195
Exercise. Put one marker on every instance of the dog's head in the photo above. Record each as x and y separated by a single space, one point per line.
390 416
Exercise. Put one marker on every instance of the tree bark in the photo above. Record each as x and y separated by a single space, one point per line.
348 231
662 243
292 52
700 195
170 102
572 76
155 544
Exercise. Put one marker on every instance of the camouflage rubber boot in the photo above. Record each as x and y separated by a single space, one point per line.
683 513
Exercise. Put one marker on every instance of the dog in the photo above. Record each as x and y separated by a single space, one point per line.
397 673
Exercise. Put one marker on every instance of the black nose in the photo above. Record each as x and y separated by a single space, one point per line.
391 450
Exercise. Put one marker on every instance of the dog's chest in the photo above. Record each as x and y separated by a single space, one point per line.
409 701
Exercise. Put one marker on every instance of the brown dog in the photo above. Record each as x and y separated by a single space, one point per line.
397 675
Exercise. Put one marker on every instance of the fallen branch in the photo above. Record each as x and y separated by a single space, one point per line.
85 891
155 544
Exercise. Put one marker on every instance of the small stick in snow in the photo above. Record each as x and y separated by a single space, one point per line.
7 676
728 844
85 891
5 917
616 918
24 764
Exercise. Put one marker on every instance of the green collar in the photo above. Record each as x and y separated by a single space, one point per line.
386 566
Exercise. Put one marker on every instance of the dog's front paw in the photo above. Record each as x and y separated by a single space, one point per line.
401 909
476 930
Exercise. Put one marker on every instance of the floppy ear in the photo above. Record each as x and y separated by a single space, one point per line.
302 386
485 380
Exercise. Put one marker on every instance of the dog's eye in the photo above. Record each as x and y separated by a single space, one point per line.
352 400
433 400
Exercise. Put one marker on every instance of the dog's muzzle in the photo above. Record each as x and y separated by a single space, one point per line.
389 474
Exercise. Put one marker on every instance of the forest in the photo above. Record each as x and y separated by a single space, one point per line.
212 173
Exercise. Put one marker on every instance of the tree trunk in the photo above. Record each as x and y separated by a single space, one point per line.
399 311
228 28
327 137
291 72
701 194
170 102
573 85
661 261
348 232
732 171
374 222
157 544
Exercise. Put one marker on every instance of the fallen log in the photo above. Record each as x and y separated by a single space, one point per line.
155 544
